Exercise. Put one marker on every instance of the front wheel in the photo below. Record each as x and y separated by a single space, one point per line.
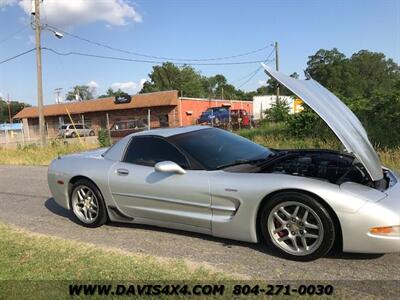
297 226
87 204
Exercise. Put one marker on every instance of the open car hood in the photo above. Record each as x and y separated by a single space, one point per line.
337 116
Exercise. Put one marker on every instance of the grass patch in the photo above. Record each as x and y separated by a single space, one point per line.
34 266
24 256
33 154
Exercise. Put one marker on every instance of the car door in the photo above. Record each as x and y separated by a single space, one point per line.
142 192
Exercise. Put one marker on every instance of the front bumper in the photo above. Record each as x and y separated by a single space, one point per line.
356 226
58 191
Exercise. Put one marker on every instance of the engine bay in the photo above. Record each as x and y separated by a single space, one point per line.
328 165
331 166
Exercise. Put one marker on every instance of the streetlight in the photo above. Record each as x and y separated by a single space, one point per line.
57 34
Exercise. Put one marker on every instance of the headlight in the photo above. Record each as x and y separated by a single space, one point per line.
386 231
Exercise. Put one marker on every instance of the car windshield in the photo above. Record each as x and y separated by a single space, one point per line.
64 127
216 148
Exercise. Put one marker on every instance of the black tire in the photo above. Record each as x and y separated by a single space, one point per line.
73 135
101 217
326 240
91 133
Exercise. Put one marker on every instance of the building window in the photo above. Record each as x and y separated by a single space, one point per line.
163 119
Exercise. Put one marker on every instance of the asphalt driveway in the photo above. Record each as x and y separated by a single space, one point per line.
25 201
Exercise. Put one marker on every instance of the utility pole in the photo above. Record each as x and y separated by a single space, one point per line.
36 14
277 68
9 108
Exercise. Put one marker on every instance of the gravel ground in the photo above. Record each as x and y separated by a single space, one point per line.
25 201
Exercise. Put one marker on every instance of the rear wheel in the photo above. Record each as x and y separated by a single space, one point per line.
91 133
87 204
297 226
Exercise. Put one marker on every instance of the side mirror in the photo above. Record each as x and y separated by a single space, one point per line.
169 167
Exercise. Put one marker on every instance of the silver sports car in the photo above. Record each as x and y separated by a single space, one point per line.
211 181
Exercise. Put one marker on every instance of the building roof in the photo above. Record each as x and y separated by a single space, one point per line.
165 98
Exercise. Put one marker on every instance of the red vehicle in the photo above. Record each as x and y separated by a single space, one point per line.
240 118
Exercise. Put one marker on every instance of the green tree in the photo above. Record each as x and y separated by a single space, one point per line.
163 78
190 83
15 107
367 82
79 92
113 93
278 112
373 72
356 76
380 115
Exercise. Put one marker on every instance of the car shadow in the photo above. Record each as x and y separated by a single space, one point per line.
56 209
53 207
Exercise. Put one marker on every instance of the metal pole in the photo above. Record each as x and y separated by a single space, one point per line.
6 136
9 108
277 68
148 119
108 127
23 132
39 73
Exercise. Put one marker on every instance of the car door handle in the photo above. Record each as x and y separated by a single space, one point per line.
122 172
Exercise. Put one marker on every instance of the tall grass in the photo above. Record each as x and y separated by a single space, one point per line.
35 155
276 136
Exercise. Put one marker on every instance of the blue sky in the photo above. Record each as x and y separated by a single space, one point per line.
185 29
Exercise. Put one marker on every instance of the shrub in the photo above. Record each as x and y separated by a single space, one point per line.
308 124
103 138
278 112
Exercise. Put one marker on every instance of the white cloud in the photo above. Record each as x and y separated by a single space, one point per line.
93 86
129 87
262 82
7 2
75 12
31 40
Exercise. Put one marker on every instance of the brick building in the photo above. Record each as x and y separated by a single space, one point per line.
166 109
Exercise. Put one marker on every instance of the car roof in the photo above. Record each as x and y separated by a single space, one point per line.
167 132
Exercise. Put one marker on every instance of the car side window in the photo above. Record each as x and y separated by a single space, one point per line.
148 151
78 126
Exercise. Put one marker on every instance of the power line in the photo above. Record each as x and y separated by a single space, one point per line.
255 71
16 56
250 78
23 28
148 61
153 56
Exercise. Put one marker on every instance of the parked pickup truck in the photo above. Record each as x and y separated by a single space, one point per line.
240 118
216 115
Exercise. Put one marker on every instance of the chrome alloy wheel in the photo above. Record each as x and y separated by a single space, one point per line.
295 228
85 204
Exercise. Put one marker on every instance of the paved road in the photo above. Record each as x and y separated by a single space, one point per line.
25 201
